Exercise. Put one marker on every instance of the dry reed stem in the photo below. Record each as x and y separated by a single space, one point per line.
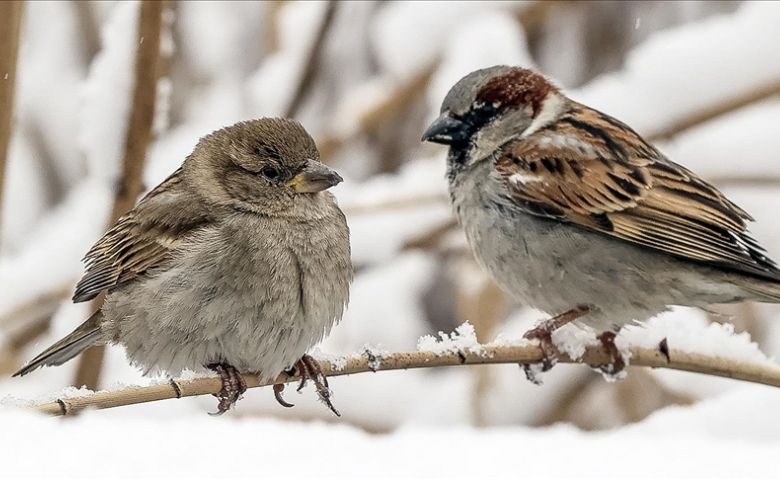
487 354
10 31
313 61
139 135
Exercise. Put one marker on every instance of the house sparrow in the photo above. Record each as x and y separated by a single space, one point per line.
239 261
575 214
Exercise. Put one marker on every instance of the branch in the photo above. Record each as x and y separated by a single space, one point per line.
10 26
376 116
712 112
479 355
139 134
313 61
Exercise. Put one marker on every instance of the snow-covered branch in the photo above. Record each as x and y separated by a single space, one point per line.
448 353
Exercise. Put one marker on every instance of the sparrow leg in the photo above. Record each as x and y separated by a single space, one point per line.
309 369
543 332
233 386
617 363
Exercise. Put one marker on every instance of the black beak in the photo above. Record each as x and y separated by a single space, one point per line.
447 130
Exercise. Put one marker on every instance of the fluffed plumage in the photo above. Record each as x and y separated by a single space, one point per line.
240 260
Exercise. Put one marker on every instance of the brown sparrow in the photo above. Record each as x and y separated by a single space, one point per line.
575 214
239 261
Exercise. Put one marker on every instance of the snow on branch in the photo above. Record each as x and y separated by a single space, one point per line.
459 348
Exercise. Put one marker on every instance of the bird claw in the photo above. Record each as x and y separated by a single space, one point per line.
278 389
617 365
309 369
543 333
549 355
233 387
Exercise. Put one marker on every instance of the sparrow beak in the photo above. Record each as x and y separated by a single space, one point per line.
447 130
315 177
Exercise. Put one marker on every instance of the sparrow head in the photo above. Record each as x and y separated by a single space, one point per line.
488 107
259 165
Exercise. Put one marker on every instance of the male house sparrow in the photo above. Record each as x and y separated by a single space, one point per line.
239 261
574 214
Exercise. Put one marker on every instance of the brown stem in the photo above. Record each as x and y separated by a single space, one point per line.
761 373
137 139
10 30
313 61
711 112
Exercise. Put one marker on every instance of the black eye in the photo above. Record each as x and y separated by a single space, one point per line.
270 172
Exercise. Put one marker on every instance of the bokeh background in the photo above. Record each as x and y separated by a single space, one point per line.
700 79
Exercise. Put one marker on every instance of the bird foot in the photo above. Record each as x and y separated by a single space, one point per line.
309 369
233 386
543 333
549 354
617 364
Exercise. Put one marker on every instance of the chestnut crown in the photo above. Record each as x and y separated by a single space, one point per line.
492 102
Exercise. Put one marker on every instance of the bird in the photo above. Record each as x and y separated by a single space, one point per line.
237 262
573 213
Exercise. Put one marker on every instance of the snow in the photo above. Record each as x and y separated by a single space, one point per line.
462 340
71 108
685 70
106 96
681 441
696 335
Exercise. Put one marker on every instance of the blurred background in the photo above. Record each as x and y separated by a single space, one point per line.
103 90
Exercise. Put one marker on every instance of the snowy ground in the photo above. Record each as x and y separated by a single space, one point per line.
718 438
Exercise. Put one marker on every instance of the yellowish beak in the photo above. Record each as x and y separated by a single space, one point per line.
316 177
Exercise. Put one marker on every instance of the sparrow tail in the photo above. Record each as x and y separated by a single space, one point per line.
86 335
768 292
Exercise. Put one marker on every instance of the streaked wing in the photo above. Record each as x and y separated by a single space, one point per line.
592 170
141 239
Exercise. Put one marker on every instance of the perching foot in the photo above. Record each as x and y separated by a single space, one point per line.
543 332
308 369
233 386
617 363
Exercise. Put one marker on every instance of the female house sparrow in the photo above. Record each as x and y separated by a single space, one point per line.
239 261
573 213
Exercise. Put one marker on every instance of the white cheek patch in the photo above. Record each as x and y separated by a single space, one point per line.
552 107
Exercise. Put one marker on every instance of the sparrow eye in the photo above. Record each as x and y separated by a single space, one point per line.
270 172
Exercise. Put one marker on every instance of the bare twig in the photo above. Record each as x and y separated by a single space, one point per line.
10 29
271 25
761 373
139 133
729 105
313 61
44 304
370 120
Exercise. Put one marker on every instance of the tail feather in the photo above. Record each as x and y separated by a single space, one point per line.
86 335
764 291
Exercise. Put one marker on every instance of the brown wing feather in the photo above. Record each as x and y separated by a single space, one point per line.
140 240
594 171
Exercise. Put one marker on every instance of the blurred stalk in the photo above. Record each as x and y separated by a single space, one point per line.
271 24
483 304
397 99
139 135
10 29
711 112
313 61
